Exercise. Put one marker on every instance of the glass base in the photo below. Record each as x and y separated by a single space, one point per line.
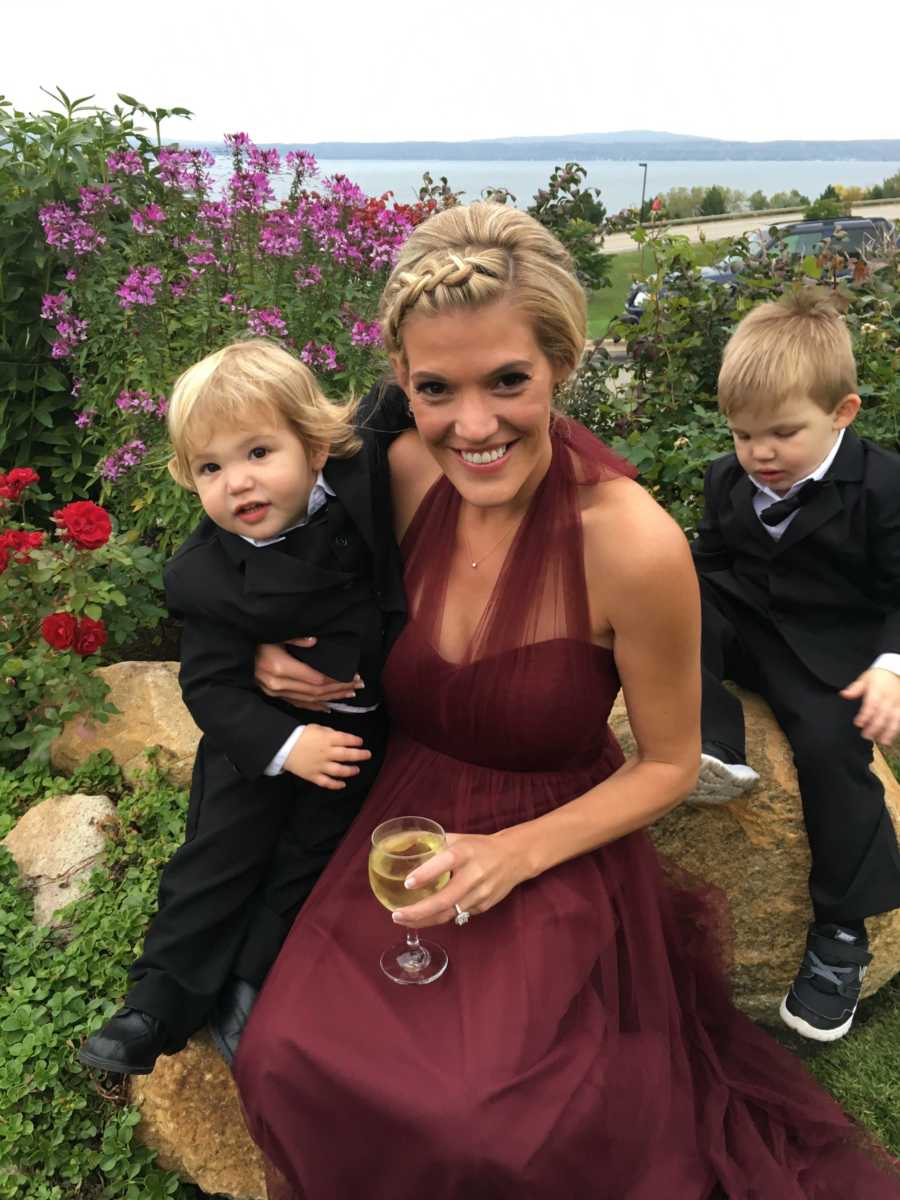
414 964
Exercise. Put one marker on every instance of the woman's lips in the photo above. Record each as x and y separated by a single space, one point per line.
485 467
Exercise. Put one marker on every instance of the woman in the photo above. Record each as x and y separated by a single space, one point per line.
581 1042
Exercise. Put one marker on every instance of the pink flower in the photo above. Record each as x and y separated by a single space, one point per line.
266 322
139 287
125 162
143 219
54 305
365 333
96 199
71 331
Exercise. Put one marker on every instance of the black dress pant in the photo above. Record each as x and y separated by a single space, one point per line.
227 898
855 860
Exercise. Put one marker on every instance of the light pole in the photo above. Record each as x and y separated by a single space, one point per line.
643 191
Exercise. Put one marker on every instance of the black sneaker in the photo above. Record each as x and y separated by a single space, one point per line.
128 1044
822 1000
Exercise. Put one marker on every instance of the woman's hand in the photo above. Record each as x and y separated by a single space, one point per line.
283 677
484 870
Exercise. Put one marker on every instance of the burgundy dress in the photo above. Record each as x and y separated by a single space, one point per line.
581 1042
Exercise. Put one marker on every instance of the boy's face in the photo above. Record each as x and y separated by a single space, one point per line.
255 482
782 447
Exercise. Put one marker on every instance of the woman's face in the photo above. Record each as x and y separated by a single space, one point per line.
480 389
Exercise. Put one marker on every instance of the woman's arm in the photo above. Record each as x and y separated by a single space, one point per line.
643 590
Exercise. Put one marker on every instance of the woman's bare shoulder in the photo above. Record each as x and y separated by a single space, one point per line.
628 536
413 471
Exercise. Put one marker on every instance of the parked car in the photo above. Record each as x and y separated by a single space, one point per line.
870 238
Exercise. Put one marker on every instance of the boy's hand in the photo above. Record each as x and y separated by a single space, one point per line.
325 756
879 713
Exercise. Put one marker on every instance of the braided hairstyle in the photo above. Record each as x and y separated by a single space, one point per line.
477 254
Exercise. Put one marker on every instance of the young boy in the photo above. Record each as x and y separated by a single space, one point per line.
798 554
296 542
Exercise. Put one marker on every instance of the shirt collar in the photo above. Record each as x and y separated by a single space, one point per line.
318 498
816 474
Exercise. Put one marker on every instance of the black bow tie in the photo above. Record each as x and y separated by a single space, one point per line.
781 509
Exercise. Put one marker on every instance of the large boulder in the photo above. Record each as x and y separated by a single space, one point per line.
151 715
56 845
190 1114
755 850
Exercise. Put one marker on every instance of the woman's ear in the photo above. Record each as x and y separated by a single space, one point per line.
400 368
846 411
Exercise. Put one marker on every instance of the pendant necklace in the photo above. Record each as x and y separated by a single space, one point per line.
475 562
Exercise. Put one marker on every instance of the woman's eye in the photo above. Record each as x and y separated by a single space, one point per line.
432 389
513 379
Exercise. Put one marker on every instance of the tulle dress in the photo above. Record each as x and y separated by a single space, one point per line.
582 1042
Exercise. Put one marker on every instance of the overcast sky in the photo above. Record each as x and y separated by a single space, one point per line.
378 70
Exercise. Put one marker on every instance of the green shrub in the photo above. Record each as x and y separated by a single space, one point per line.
45 158
59 1138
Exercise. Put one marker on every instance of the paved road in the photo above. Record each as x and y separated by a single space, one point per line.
619 243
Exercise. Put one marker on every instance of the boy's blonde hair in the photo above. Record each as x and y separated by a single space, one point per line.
248 382
476 254
796 346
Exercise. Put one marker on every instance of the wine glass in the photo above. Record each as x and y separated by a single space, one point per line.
398 847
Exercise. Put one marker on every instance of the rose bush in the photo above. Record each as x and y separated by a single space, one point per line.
62 599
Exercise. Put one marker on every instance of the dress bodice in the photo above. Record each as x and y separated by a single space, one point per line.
532 692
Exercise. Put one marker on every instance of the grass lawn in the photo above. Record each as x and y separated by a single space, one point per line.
609 302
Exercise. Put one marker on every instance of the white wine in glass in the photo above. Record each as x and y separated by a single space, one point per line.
398 847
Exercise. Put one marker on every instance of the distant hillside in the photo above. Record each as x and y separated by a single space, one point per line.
593 147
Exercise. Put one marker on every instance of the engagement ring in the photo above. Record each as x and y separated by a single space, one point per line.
461 915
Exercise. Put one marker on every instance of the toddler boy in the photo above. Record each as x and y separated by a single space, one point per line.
290 546
798 554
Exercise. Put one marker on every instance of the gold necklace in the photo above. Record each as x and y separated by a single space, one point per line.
474 562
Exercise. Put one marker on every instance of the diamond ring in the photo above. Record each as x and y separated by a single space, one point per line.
461 915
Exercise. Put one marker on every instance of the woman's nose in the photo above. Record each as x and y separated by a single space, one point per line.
475 419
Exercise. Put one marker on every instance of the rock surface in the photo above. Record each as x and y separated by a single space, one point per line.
152 715
755 850
56 845
190 1113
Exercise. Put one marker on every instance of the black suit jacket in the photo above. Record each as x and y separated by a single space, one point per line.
831 584
232 596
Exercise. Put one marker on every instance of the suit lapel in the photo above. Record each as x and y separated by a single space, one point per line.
742 500
350 479
828 500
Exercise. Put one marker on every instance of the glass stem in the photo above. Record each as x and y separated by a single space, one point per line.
412 939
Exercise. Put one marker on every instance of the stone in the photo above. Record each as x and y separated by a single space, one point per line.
151 714
191 1115
56 845
755 850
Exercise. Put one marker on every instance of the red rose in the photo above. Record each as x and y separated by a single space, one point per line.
14 484
89 636
85 524
58 630
21 541
4 559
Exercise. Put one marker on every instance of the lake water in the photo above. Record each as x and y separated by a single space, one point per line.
620 182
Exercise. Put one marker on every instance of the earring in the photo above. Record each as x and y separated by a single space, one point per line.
409 410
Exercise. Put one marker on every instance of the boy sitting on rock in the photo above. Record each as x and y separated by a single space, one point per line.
798 554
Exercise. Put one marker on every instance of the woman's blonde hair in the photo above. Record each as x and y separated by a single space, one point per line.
796 346
244 384
480 253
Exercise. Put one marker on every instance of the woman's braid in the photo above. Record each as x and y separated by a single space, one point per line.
455 272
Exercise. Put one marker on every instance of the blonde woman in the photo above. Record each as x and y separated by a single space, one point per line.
581 1042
